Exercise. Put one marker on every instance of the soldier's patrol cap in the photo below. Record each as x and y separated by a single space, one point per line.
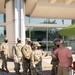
5 39
28 39
18 39
57 39
36 43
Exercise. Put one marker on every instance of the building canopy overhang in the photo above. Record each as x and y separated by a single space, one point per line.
64 9
2 6
51 8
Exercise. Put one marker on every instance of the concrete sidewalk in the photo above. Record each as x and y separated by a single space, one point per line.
10 67
46 67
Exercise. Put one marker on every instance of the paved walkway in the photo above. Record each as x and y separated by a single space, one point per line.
45 66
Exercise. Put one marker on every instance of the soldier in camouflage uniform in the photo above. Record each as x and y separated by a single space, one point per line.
36 59
17 55
54 62
4 54
26 52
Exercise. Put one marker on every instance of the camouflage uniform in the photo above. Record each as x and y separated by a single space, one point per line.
54 62
4 54
36 60
26 52
17 56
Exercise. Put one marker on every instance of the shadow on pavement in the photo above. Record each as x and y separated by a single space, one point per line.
3 72
46 72
10 73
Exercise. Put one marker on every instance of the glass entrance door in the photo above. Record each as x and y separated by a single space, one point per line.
44 36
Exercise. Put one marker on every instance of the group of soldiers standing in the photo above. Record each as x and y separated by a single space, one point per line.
29 57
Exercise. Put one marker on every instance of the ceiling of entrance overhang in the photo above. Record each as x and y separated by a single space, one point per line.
51 8
2 4
47 8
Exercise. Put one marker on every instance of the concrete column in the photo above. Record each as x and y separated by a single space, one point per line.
19 20
17 7
15 22
10 27
23 21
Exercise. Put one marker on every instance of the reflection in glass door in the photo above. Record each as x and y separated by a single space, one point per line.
44 36
2 33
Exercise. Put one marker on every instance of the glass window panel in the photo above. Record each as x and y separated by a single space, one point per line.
27 31
2 33
38 34
38 20
1 18
46 36
53 33
48 21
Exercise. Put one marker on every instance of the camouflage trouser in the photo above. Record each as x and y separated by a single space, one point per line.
4 60
54 70
38 67
17 65
26 67
4 63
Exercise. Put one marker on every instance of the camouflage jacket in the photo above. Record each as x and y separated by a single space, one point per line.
16 50
37 55
4 49
26 52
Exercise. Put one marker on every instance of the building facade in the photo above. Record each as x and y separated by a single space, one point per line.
38 19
